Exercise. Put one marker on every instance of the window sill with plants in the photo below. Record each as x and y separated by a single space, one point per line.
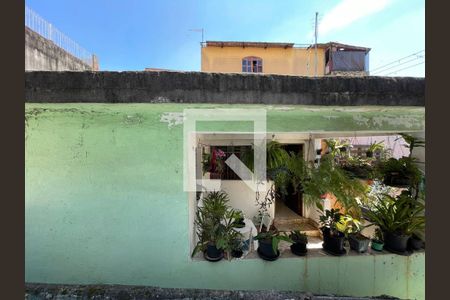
382 193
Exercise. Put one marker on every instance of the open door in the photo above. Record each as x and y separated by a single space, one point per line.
294 200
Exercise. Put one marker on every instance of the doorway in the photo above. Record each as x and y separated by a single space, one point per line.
290 204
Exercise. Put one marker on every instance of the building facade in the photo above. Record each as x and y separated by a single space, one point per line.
104 197
284 58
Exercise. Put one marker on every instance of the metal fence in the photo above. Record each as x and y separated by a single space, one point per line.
48 31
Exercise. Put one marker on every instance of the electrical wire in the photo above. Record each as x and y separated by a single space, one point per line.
393 67
396 61
405 68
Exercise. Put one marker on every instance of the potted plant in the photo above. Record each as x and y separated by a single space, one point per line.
316 181
299 240
214 163
377 241
237 248
238 219
357 167
357 241
333 238
268 244
400 172
403 172
215 222
375 147
398 218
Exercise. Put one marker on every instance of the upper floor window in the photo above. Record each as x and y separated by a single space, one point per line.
252 64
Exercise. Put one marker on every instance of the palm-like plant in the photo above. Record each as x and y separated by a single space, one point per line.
275 157
402 215
325 178
215 222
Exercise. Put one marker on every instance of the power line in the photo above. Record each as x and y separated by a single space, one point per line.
405 68
396 61
405 62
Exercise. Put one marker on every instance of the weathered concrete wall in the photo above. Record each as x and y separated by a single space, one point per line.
198 87
43 54
104 202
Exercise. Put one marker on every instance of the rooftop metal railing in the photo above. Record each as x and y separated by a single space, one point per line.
50 32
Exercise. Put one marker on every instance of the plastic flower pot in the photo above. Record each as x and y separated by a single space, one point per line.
236 253
299 248
212 251
266 249
396 242
333 242
377 245
358 242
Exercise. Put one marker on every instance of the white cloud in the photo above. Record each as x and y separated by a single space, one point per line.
349 11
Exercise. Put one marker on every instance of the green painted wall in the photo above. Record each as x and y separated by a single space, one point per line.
104 203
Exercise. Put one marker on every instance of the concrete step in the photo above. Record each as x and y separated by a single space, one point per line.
303 224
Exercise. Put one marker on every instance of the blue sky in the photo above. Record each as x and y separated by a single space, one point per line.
135 34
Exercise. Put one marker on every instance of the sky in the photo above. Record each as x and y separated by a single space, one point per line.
136 34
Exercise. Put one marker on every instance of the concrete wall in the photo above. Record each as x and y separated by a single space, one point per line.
200 87
42 54
289 61
104 202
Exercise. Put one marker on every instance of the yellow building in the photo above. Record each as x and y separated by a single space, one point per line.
284 58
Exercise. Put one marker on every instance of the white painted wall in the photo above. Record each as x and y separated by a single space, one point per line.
243 197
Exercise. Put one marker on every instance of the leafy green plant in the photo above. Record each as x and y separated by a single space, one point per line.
403 167
401 215
363 168
412 142
214 222
375 147
275 157
337 147
350 225
274 236
298 237
378 236
325 178
331 219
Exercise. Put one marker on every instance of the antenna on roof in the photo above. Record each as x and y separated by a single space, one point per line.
199 30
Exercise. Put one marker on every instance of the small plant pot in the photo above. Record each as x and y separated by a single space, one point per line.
396 242
239 223
265 248
396 180
213 252
334 243
237 253
377 245
299 248
415 243
359 243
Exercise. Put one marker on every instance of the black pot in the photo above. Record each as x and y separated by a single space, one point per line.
212 251
358 243
398 180
396 242
265 248
239 223
237 253
298 247
415 243
334 243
